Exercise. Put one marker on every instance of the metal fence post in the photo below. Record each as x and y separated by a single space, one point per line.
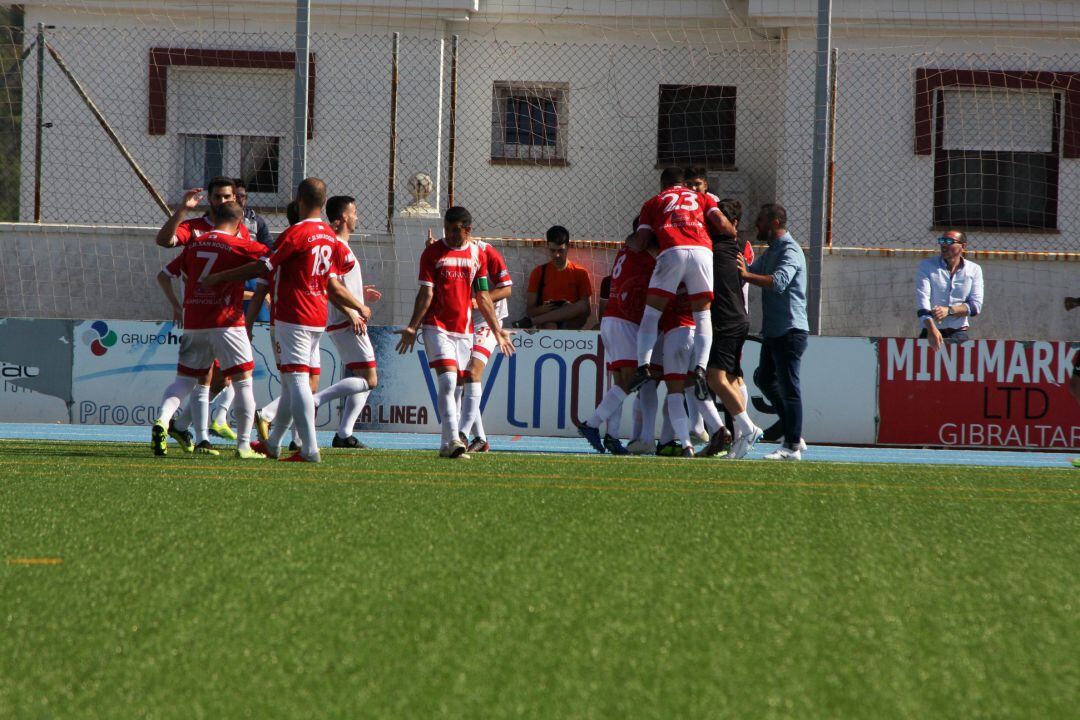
820 160
38 126
391 180
300 92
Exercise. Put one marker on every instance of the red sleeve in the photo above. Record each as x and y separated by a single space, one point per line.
482 269
708 203
183 233
251 249
748 253
284 250
645 217
497 272
534 279
427 267
343 260
175 266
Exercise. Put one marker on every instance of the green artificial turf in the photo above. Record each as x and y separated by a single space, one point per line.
396 584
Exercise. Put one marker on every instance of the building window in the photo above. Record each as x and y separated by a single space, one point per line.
528 123
996 159
696 126
255 159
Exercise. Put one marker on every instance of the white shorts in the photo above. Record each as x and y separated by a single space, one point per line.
678 347
296 348
483 343
690 265
355 350
229 346
620 342
446 350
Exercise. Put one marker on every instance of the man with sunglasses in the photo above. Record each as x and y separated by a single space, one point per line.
948 291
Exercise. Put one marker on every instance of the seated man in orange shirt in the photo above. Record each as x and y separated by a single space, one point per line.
559 295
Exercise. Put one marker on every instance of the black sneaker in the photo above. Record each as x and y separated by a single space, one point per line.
615 446
641 376
719 444
688 451
701 384
293 447
671 449
349 442
478 445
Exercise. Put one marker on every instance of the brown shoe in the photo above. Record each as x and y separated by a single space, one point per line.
719 443
478 445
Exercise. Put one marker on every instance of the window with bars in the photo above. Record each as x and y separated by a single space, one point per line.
996 155
254 159
529 123
696 126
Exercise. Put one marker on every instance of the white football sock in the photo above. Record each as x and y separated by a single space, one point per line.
245 412
745 390
680 423
200 413
707 411
340 389
614 424
743 423
354 405
667 430
650 404
635 416
648 331
448 408
609 405
182 421
174 394
697 422
282 416
303 412
470 407
269 411
221 404
702 338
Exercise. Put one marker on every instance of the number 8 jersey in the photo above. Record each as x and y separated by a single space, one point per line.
306 256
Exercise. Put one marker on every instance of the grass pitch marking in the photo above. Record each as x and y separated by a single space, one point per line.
35 561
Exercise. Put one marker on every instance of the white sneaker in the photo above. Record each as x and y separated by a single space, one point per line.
802 445
699 438
743 444
641 447
455 450
784 453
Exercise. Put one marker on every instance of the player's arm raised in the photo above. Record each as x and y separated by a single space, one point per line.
424 296
166 236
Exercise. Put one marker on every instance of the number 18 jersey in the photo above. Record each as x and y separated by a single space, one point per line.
305 257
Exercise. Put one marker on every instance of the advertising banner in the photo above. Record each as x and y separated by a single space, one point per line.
980 393
35 370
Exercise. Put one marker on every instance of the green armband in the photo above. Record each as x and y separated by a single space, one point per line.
481 284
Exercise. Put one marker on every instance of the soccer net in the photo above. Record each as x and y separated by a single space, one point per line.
534 113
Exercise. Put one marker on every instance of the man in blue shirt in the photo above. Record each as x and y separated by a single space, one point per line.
780 272
948 291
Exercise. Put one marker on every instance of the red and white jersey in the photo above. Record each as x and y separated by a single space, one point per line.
499 277
220 306
451 272
678 312
748 254
305 257
191 229
677 217
629 282
354 282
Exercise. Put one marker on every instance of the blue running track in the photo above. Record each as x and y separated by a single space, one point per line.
419 441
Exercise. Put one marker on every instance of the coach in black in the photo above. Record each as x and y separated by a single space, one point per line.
731 324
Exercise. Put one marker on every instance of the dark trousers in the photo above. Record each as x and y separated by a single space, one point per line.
948 334
778 379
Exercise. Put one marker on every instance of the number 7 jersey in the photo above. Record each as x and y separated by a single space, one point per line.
306 256
220 306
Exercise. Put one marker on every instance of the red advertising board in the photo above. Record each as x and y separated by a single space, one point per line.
980 393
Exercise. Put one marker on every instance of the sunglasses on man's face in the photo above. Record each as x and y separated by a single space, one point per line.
945 241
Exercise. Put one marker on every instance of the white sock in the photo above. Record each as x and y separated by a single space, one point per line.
650 404
448 408
745 390
303 412
200 413
648 331
667 430
182 421
743 423
609 405
221 404
680 423
245 412
697 422
470 406
708 412
340 389
614 424
354 405
635 416
282 416
702 338
269 411
174 394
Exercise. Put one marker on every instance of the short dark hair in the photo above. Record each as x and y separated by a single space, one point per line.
219 181
229 212
335 206
693 173
458 214
292 212
672 176
775 212
558 234
312 192
239 184
731 208
635 222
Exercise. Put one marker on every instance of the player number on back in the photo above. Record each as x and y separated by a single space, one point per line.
617 270
321 262
680 201
210 258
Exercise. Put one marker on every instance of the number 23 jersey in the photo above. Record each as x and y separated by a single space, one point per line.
306 256
677 217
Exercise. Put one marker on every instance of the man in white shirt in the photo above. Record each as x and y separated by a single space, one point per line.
948 291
